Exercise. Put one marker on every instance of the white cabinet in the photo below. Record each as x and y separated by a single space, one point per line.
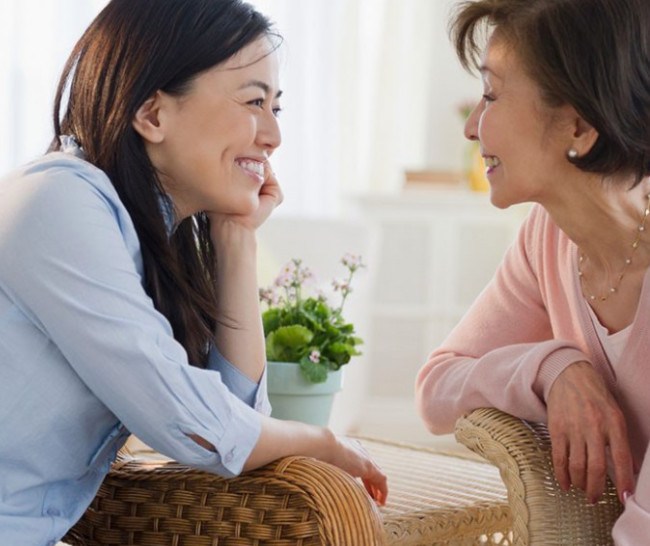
437 250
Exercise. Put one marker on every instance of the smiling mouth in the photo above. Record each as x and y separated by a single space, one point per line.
491 163
253 167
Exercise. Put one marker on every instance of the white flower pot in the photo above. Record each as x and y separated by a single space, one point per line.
296 399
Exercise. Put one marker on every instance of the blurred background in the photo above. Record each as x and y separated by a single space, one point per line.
373 162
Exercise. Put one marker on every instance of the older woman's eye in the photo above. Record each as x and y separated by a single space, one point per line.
256 102
276 111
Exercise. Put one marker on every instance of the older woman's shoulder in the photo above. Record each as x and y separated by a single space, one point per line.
543 241
540 225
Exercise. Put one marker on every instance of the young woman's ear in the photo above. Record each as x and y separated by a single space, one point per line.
147 119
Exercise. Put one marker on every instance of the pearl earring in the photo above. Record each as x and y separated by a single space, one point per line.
572 153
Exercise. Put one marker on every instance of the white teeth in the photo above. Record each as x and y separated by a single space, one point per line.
255 167
491 161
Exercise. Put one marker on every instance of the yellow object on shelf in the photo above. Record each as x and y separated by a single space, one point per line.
475 171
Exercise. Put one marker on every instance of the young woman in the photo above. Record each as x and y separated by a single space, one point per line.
562 332
128 297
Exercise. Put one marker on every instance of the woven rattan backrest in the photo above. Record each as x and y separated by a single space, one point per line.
542 513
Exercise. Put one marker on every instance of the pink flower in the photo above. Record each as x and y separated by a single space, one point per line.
268 296
342 286
284 279
352 261
315 356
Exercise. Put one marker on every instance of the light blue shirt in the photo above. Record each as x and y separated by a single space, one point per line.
85 358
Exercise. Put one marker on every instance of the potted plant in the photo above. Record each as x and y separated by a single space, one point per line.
307 343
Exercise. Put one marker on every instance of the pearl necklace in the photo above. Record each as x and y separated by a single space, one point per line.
635 244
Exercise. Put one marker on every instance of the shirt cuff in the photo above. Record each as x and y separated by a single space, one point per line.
243 387
234 447
233 444
554 365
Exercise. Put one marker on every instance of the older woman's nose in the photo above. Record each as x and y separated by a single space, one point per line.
471 125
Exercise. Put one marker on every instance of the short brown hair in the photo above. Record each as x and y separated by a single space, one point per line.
591 54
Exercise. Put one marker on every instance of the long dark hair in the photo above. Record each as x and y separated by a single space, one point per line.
132 49
591 54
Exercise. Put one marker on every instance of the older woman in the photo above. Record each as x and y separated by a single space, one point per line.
562 332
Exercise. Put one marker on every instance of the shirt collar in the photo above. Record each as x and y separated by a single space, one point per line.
69 145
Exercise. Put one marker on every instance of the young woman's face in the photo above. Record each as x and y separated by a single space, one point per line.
523 141
218 136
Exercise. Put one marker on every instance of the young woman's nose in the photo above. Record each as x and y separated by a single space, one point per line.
268 132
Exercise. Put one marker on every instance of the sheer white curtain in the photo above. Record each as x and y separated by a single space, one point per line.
36 37
371 88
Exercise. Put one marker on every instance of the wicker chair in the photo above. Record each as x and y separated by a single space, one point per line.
435 499
296 501
542 514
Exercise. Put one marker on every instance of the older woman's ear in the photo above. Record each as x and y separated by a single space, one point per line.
584 136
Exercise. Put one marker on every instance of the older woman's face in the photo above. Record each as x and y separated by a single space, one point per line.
219 135
522 140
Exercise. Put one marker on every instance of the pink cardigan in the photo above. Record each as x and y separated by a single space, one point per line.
525 328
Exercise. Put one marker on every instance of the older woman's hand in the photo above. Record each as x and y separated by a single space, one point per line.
585 421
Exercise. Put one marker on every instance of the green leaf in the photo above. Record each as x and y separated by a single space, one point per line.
288 343
346 329
341 348
314 372
271 320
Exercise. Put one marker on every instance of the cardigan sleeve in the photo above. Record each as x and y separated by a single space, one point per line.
502 353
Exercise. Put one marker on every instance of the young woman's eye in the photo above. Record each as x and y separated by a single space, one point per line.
488 98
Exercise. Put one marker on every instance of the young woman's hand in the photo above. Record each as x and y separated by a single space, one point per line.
270 197
352 457
585 422
282 438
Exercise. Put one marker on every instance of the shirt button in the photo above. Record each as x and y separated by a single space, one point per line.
53 512
229 456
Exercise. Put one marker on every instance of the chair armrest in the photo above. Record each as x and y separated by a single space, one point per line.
295 500
542 513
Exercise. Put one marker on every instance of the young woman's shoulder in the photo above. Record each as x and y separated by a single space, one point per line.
59 196
58 185
56 173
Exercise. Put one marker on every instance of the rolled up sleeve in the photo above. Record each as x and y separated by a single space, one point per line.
253 394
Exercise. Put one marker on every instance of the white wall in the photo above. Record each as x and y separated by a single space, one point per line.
372 88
